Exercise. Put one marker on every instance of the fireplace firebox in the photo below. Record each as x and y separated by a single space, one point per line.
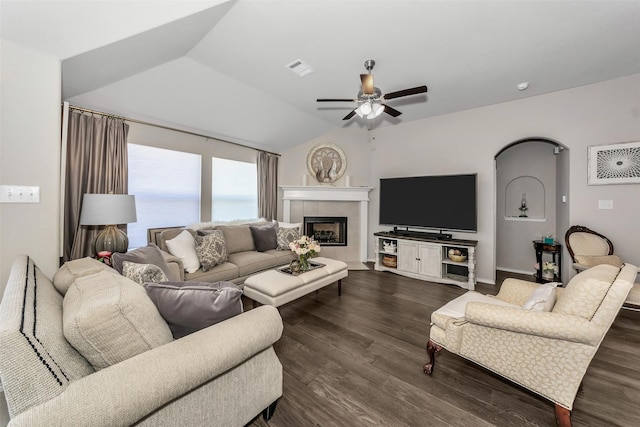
327 230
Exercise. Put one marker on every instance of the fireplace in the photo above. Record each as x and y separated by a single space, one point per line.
327 230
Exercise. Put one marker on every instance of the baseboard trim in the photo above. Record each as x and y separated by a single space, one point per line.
513 270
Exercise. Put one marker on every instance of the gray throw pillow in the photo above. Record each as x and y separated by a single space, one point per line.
146 255
264 237
211 249
286 236
141 273
190 306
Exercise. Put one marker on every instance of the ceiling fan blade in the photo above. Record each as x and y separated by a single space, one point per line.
351 114
367 83
335 100
406 92
391 111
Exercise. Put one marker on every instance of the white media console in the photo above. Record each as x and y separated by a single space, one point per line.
426 258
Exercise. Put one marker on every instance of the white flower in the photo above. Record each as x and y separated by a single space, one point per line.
305 245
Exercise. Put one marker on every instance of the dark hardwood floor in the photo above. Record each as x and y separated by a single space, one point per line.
356 360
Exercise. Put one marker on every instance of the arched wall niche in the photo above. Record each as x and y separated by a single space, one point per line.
528 190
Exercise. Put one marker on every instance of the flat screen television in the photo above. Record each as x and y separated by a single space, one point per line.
440 202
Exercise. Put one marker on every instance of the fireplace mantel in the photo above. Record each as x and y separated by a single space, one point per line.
331 193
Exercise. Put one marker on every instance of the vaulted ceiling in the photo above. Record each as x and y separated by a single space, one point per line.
220 67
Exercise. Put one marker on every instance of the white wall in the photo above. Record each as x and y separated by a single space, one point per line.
601 113
29 155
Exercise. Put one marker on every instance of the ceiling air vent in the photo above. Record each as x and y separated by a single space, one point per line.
300 68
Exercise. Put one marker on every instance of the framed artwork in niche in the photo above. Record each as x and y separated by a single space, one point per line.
614 163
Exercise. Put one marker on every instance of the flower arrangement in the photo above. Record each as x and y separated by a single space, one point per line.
305 247
549 269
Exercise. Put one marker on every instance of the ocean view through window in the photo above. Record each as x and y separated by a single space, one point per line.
166 184
234 189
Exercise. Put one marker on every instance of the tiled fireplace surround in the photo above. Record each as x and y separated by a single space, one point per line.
324 200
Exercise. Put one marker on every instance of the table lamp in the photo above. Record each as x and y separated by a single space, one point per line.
109 210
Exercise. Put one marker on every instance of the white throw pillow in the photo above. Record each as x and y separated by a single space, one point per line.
184 247
543 298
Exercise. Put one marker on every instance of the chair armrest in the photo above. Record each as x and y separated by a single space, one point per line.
177 263
122 394
543 324
516 291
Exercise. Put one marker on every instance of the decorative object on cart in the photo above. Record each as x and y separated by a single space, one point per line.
370 100
326 162
109 210
456 255
523 206
549 270
305 247
614 164
548 239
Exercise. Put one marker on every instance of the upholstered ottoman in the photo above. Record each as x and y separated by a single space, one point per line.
275 287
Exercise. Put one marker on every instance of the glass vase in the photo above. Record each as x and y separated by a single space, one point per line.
304 262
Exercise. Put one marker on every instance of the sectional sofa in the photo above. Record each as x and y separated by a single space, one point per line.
247 253
88 348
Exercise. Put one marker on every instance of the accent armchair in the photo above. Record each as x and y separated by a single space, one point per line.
589 248
547 352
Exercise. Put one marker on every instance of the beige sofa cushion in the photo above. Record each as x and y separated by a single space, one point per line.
108 319
71 270
237 237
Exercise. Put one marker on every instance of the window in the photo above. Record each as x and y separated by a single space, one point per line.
234 190
166 184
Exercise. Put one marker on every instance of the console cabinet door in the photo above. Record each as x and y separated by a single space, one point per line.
408 257
430 260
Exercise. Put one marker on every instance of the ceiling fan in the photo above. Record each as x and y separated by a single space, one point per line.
370 98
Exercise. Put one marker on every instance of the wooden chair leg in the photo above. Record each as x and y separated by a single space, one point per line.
339 287
563 416
432 349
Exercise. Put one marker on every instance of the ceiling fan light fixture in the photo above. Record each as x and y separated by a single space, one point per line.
377 110
365 108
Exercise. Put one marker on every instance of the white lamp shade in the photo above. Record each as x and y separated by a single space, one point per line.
103 209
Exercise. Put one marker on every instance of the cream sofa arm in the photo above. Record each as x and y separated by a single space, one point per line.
516 291
543 324
122 394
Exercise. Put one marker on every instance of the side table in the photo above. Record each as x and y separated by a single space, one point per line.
555 249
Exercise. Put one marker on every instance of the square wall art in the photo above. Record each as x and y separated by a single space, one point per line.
614 164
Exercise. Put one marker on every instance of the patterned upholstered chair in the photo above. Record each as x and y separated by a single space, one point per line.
547 352
589 248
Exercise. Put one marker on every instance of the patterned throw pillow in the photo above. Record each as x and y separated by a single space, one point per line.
141 273
286 236
211 249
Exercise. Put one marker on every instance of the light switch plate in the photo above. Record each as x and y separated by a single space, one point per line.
605 204
19 194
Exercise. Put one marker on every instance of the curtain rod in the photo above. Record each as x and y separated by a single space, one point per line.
86 110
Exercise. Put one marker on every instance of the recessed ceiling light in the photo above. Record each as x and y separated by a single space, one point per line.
300 68
523 86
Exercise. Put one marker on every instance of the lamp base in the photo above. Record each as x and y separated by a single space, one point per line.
112 239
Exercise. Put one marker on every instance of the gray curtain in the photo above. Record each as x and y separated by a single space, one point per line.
267 185
96 162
